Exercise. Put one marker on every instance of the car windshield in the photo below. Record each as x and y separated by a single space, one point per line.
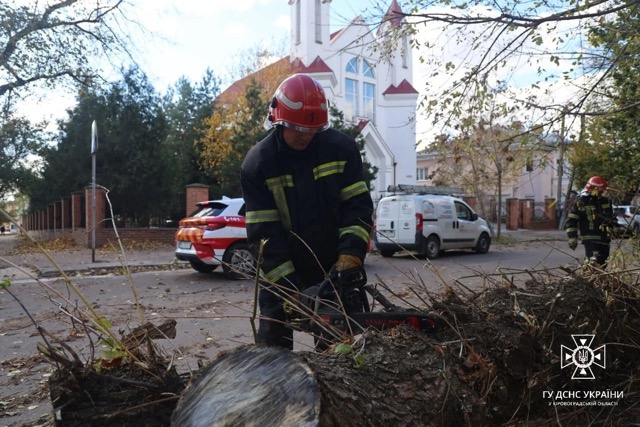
626 210
619 211
212 209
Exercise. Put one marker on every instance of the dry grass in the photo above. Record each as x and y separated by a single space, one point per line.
26 246
135 245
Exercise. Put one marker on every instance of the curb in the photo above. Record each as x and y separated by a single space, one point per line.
105 269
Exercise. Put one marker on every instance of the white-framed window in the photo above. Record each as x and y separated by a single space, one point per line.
298 17
318 17
528 167
369 100
360 90
367 71
405 52
351 98
352 66
422 174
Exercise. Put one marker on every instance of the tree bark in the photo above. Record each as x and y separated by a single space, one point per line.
497 357
495 360
401 383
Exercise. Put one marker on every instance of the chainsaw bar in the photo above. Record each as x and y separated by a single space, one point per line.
381 320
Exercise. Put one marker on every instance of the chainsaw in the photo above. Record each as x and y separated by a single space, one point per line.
340 301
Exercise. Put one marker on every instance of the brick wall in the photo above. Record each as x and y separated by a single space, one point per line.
64 219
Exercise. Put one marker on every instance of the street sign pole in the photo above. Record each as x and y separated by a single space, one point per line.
94 149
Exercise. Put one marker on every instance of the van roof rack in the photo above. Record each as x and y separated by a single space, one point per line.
425 189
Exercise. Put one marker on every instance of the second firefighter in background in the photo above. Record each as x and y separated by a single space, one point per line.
591 216
306 199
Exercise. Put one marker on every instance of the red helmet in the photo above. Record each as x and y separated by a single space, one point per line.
299 103
596 183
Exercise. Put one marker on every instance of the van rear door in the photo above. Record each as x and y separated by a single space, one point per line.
396 220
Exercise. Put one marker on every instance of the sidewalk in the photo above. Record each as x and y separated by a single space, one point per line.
82 261
521 235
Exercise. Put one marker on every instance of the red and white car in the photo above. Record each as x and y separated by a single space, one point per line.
215 234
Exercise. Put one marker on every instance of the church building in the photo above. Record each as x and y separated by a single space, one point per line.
369 83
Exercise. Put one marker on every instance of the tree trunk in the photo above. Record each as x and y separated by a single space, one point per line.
266 386
499 232
494 360
496 357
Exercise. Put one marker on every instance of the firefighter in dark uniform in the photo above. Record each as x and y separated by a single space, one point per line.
306 200
592 217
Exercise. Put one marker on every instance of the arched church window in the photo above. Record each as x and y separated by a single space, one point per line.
359 90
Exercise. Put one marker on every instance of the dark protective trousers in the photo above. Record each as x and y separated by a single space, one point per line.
597 250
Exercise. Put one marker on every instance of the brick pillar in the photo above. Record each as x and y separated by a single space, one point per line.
527 206
101 202
196 193
493 216
76 210
50 217
550 210
57 215
471 201
66 213
513 213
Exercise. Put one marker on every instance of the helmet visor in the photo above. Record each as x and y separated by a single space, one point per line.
303 128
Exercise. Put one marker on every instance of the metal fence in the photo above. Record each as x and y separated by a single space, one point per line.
166 217
539 211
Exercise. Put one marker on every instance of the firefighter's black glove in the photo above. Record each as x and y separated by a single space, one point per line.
350 285
573 243
354 277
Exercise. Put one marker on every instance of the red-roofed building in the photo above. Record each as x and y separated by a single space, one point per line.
374 93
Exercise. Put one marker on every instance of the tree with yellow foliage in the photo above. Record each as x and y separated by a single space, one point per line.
237 122
231 131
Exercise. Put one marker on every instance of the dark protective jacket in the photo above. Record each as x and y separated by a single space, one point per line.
307 206
593 217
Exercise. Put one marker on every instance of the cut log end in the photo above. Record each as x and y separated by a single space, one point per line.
260 386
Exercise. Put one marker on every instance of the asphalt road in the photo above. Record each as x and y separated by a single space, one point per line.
212 313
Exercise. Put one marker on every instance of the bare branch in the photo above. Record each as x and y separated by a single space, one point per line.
56 42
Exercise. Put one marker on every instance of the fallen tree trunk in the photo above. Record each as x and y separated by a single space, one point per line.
554 352
500 359
274 387
250 385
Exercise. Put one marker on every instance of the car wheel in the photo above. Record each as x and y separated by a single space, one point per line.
432 247
238 262
387 253
201 267
484 241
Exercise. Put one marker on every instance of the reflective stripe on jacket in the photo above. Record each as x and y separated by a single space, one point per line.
308 205
592 217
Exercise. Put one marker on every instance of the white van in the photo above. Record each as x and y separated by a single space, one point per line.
428 224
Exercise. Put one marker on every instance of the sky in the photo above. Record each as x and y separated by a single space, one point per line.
205 33
183 39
